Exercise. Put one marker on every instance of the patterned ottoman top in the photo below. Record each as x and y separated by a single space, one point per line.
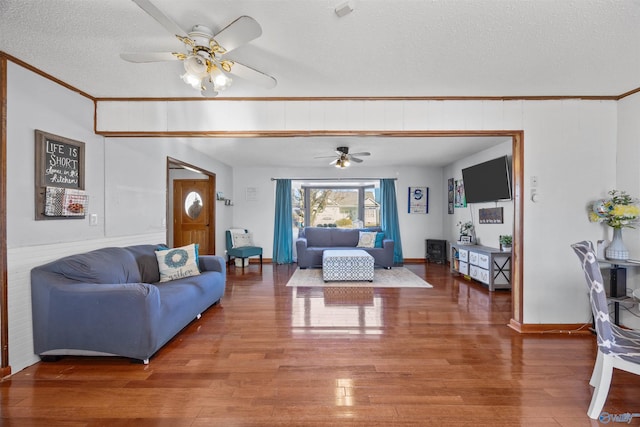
345 253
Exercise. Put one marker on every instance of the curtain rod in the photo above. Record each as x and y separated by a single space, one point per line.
334 179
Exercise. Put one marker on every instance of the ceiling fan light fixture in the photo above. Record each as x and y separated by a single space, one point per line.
220 80
196 65
207 88
343 162
194 81
205 51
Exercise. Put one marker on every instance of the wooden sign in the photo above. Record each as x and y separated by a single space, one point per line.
490 216
60 164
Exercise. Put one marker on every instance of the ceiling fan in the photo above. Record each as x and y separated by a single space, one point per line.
205 65
344 159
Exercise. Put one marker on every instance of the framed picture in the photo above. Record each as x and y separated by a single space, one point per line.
490 216
219 195
465 240
251 194
450 195
418 200
460 201
59 177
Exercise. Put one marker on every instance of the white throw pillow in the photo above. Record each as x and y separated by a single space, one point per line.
234 232
177 262
242 240
367 239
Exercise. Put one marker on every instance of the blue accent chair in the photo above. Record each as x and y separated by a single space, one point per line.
241 252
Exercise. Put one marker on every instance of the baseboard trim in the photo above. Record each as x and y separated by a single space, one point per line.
414 260
550 328
5 372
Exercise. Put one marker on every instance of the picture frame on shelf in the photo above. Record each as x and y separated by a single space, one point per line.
465 240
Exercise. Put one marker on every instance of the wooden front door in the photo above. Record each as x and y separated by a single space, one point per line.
193 214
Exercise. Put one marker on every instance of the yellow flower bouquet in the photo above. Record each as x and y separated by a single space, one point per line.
621 210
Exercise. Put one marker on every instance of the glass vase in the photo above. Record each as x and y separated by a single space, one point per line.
616 249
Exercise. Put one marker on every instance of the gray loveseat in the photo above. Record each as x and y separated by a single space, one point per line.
312 241
110 302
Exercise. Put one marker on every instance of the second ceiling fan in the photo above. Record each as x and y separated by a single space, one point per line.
344 158
206 67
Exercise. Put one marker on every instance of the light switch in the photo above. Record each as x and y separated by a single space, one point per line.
93 219
534 181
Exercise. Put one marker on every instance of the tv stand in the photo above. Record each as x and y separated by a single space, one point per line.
487 265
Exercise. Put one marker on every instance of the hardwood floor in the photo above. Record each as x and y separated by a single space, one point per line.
269 355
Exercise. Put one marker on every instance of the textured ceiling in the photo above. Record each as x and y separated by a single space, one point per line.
382 48
425 48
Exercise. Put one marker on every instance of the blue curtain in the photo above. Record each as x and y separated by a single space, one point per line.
283 226
389 217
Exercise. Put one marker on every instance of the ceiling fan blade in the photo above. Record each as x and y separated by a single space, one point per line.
324 157
363 154
148 56
355 159
159 16
238 33
334 162
252 75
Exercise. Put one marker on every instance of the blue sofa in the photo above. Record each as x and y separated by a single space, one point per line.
110 302
313 241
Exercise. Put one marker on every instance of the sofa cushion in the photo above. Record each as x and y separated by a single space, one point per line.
177 262
367 239
318 236
379 239
345 237
145 256
106 265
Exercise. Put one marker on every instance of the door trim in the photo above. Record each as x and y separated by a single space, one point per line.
211 190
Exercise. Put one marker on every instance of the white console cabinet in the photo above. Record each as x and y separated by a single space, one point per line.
490 266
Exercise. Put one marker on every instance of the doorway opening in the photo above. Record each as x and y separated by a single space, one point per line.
191 215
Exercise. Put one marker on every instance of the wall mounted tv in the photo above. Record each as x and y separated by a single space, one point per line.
488 182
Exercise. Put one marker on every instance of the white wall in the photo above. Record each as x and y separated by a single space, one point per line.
36 103
136 184
125 179
258 216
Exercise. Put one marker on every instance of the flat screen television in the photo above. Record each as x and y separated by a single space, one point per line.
488 182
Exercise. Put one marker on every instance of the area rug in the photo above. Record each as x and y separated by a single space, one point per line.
397 277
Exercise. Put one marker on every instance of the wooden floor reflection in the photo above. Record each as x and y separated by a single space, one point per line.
270 355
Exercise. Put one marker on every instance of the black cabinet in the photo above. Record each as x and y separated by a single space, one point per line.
436 251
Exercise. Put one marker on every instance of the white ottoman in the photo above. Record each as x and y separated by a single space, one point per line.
354 264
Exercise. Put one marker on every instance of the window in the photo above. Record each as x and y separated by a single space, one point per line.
344 204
